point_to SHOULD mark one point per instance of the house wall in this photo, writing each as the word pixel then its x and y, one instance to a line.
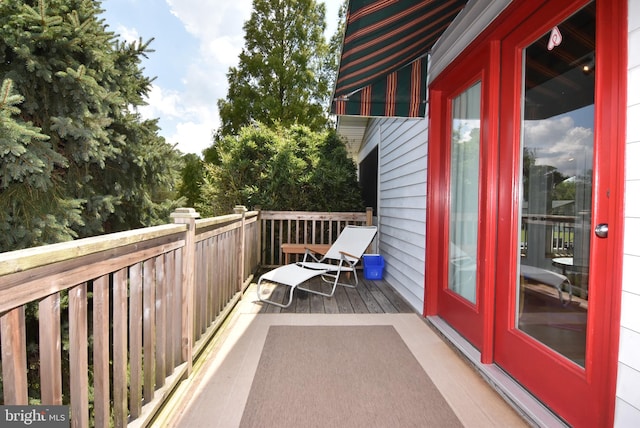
pixel 371 139
pixel 628 388
pixel 402 201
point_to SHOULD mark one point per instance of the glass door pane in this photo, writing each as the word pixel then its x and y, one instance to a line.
pixel 556 176
pixel 463 205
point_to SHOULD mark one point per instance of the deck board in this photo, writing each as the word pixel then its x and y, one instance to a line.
pixel 383 302
pixel 316 304
pixel 330 305
pixel 358 305
pixel 396 300
pixel 372 304
pixel 369 297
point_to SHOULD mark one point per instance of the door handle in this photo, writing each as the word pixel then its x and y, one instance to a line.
pixel 602 230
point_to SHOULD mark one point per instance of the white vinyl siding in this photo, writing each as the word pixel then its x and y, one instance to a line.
pixel 628 388
pixel 402 202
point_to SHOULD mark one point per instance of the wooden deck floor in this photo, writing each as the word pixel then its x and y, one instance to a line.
pixel 369 297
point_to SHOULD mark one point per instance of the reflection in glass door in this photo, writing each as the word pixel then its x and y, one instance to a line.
pixel 555 197
pixel 463 206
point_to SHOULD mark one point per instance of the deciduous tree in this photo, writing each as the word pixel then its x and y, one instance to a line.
pixel 282 73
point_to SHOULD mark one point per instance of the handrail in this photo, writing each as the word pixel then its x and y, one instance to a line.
pixel 552 235
pixel 136 317
pixel 301 227
pixel 16 261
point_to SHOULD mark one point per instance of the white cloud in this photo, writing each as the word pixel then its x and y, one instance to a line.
pixel 128 34
pixel 185 120
pixel 192 137
pixel 162 103
pixel 224 50
pixel 558 142
pixel 208 20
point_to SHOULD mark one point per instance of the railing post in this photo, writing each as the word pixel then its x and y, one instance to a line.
pixel 261 254
pixel 241 209
pixel 369 216
pixel 187 216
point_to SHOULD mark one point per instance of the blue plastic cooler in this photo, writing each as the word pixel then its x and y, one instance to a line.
pixel 373 266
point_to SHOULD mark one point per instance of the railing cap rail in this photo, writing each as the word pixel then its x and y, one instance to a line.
pixel 310 215
pixel 215 221
pixel 29 258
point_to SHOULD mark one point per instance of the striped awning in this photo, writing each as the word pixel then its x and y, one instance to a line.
pixel 383 64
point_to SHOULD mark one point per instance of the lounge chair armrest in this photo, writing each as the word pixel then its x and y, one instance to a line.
pixel 309 252
pixel 344 253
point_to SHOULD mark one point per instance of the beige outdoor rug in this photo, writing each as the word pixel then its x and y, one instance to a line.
pixel 339 370
pixel 342 376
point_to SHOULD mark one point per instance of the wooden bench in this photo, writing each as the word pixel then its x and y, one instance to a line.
pixel 301 248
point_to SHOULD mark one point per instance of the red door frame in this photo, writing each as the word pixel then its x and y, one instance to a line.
pixel 437 191
pixel 604 317
pixel 475 321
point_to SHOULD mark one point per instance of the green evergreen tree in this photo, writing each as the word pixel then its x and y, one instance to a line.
pixel 191 179
pixel 281 169
pixel 239 169
pixel 281 77
pixel 31 210
pixel 335 178
pixel 111 171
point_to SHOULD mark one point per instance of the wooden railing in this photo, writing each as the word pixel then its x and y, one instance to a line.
pixel 558 233
pixel 132 309
pixel 110 325
pixel 300 227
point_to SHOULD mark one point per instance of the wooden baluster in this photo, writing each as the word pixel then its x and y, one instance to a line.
pixel 50 350
pixel 101 346
pixel 14 357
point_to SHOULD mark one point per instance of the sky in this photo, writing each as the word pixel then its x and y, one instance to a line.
pixel 195 43
pixel 564 141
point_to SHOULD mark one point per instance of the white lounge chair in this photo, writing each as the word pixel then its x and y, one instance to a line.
pixel 544 276
pixel 343 256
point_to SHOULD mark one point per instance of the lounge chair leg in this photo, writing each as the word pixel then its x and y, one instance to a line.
pixel 271 301
pixel 344 284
